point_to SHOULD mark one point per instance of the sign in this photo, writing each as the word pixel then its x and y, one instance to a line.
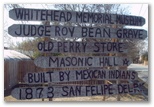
pixel 75 17
pixel 80 61
pixel 86 62
pixel 79 75
pixel 75 91
pixel 22 30
pixel 81 47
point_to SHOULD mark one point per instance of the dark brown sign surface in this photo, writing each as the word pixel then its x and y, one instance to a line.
pixel 76 91
pixel 79 75
pixel 75 17
pixel 22 30
pixel 81 47
pixel 81 61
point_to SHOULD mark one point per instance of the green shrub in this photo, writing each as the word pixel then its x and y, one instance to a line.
pixel 145 56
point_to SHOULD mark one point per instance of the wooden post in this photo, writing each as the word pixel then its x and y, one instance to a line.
pixel 117 81
pixel 104 97
pixel 122 68
pixel 45 54
pixel 118 96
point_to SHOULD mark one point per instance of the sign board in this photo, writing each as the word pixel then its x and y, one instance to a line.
pixel 86 62
pixel 79 75
pixel 75 91
pixel 81 47
pixel 75 17
pixel 22 30
pixel 80 61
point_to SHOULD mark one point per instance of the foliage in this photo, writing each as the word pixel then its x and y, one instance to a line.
pixel 36 54
pixel 29 47
pixel 145 56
